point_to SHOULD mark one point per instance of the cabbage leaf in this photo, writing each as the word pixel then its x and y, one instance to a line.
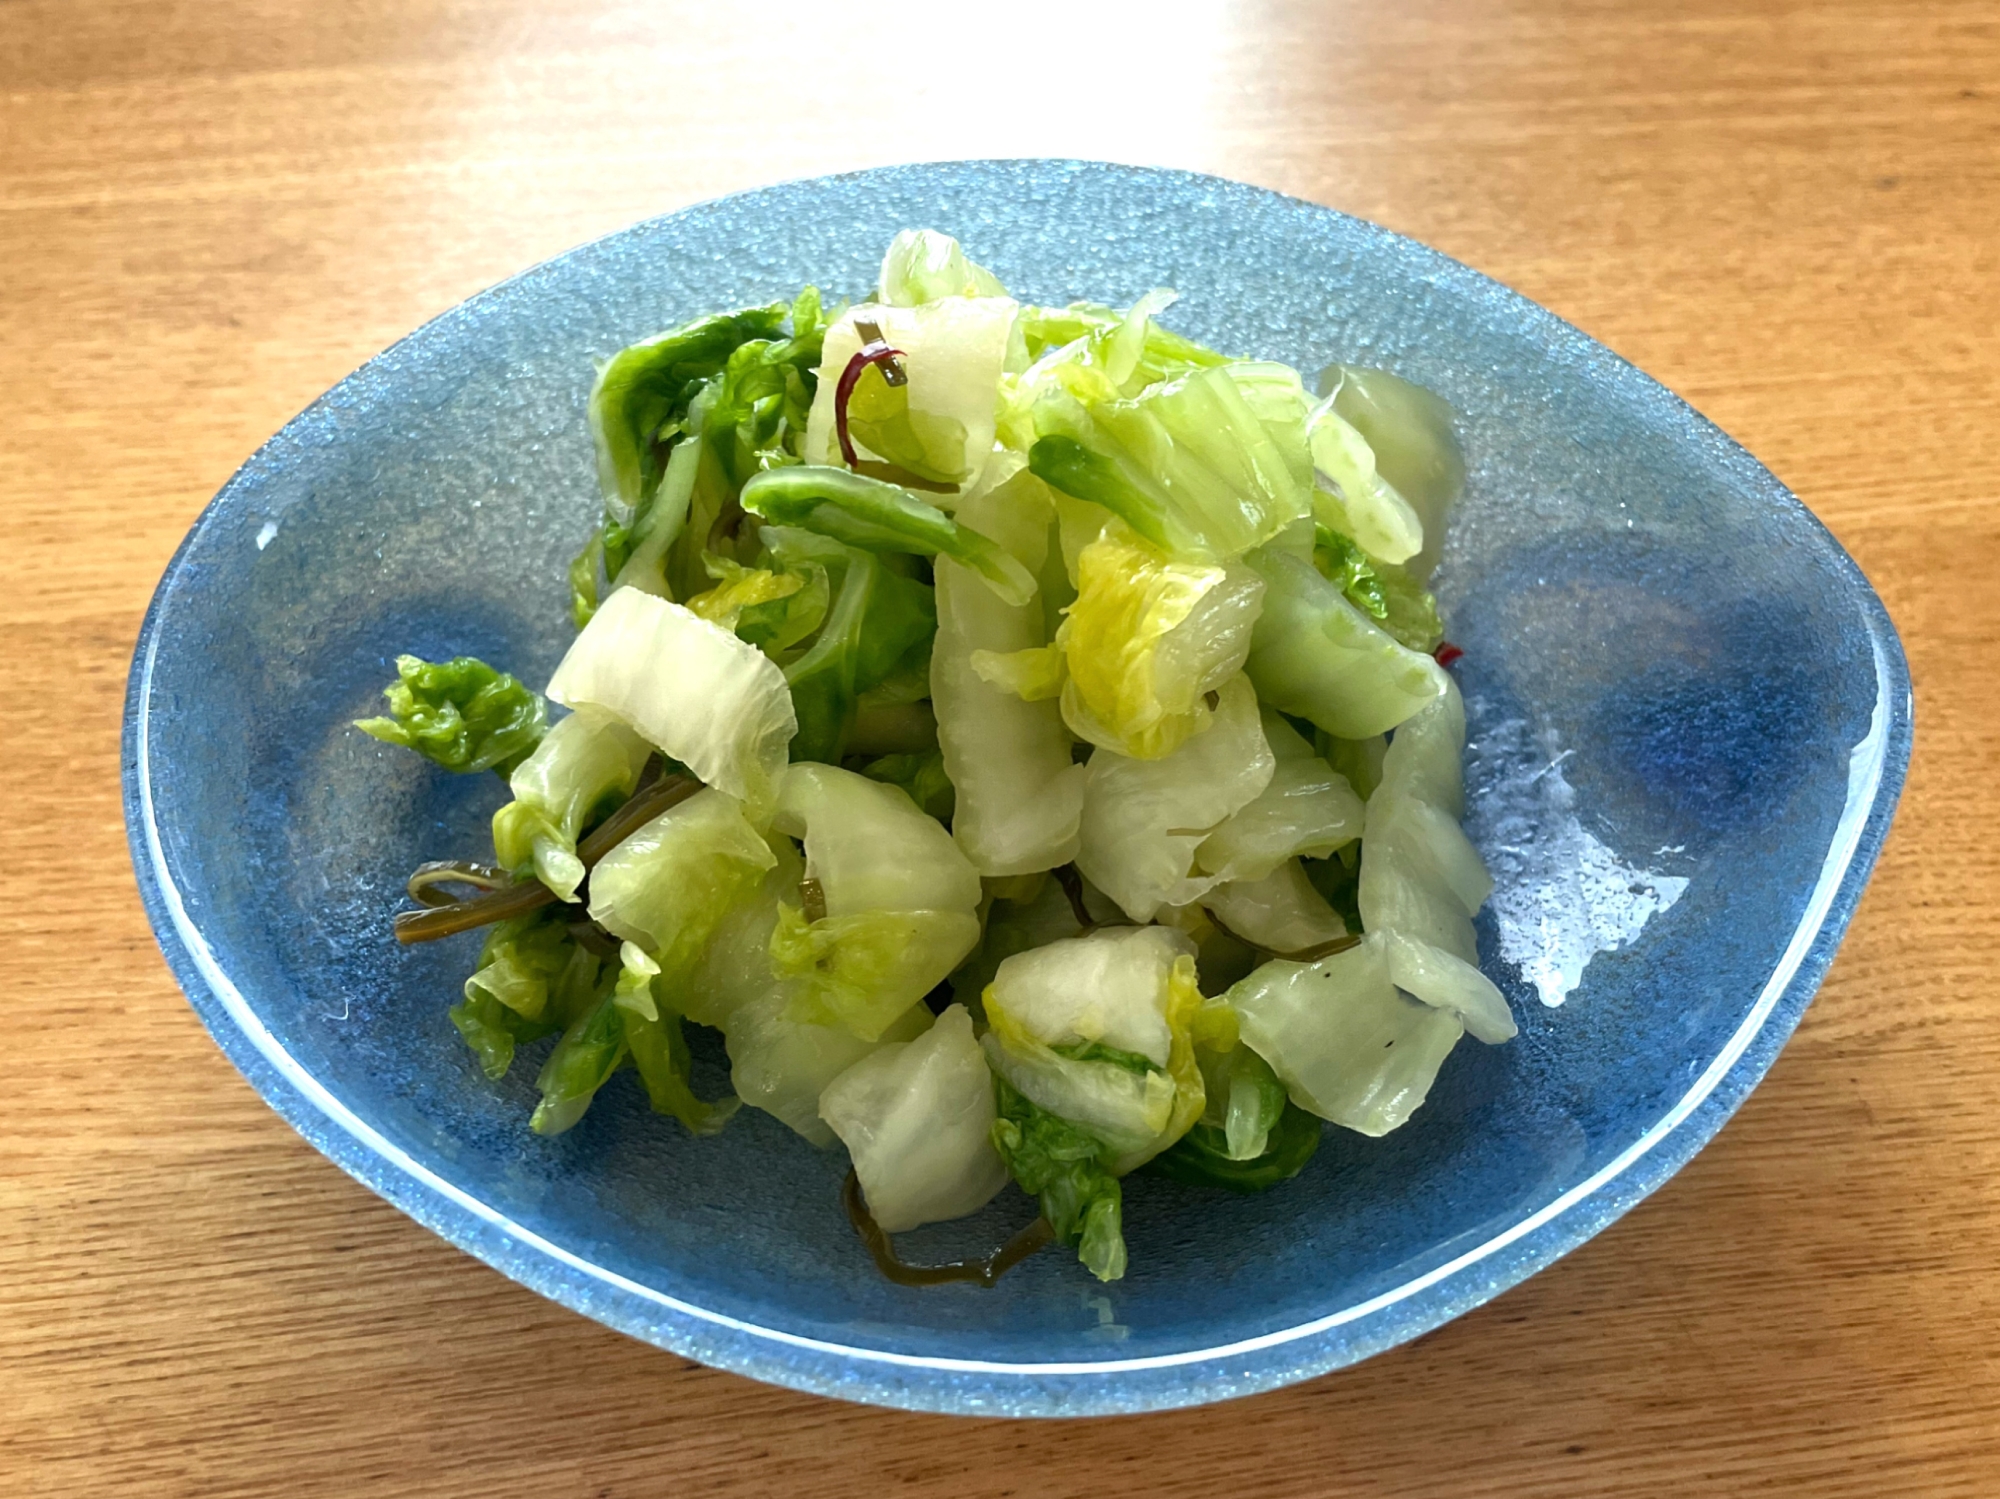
pixel 1315 656
pixel 953 351
pixel 861 971
pixel 923 265
pixel 582 1062
pixel 1348 1046
pixel 669 884
pixel 724 710
pixel 532 980
pixel 1408 429
pixel 659 1049
pixel 877 516
pixel 783 1065
pixel 1019 793
pixel 1307 809
pixel 460 714
pixel 1144 819
pixel 1099 1030
pixel 1147 639
pixel 583 769
pixel 678 422
pixel 878 621
pixel 1360 503
pixel 1187 463
pixel 1061 1166
pixel 917 1118
pixel 1281 913
pixel 1250 1136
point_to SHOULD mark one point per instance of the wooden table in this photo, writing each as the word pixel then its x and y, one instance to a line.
pixel 208 213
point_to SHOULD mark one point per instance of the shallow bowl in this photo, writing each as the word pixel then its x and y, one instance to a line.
pixel 1690 720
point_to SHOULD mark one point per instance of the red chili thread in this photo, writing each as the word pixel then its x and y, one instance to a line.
pixel 875 351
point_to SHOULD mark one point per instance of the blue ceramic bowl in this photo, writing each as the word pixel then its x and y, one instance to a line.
pixel 1690 721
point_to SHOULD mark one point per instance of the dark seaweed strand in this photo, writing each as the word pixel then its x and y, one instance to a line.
pixel 531 894
pixel 642 808
pixel 463 916
pixel 1072 886
pixel 594 939
pixel 427 881
pixel 985 1272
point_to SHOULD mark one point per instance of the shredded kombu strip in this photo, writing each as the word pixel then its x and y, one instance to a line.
pixel 1071 881
pixel 531 894
pixel 984 1272
pixel 427 882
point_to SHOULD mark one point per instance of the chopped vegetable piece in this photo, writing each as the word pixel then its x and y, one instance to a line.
pixel 1359 501
pixel 659 1049
pixel 1144 819
pixel 743 588
pixel 1187 463
pixel 585 766
pixel 862 971
pixel 1281 913
pixel 1019 792
pixel 898 901
pixel 869 847
pixel 1059 1164
pixel 461 714
pixel 678 421
pixel 1307 809
pixel 879 517
pixel 1315 655
pixel 1108 990
pixel 923 265
pixel 1409 431
pixel 878 620
pixel 917 1117
pixel 782 1065
pixel 1250 1136
pixel 1067 1021
pixel 493 1032
pixel 1245 1100
pixel 1419 874
pixel 1421 879
pixel 650 384
pixel 670 883
pixel 1147 640
pixel 1348 1046
pixel 953 349
pixel 583 1060
pixel 1450 983
pixel 532 966
pixel 723 710
pixel 1424 760
pixel 921 777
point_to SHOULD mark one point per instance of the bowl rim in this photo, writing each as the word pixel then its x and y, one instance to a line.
pixel 1878 765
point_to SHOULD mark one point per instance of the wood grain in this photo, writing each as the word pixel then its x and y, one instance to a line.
pixel 208 213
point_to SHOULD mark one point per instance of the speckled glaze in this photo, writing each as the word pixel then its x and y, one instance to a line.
pixel 1669 662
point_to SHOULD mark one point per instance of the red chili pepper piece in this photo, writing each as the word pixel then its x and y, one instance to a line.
pixel 1447 653
pixel 874 351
